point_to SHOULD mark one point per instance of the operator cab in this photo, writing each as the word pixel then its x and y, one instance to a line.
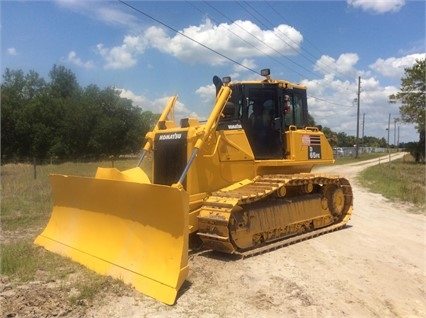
pixel 266 110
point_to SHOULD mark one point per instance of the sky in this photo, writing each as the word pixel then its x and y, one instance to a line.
pixel 153 50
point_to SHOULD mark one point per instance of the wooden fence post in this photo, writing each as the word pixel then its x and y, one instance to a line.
pixel 35 168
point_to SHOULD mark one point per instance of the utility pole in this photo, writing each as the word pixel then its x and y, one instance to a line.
pixel 398 137
pixel 357 118
pixel 394 132
pixel 363 126
pixel 388 135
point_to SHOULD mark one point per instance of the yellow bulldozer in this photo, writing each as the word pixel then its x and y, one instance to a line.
pixel 240 181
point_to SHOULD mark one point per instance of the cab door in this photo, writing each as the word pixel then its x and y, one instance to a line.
pixel 263 121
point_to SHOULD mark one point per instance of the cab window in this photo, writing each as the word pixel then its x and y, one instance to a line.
pixel 294 110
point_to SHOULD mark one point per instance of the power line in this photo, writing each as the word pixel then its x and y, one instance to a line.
pixel 260 22
pixel 259 40
pixel 289 23
pixel 247 42
pixel 283 40
pixel 215 51
pixel 265 44
pixel 229 30
pixel 186 36
pixel 307 40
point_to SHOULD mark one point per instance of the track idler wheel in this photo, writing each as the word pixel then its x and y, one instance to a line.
pixel 336 201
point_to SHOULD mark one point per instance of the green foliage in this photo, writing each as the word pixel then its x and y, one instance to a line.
pixel 60 119
pixel 24 262
pixel 417 150
pixel 91 285
pixel 361 157
pixel 311 120
pixel 341 139
pixel 63 82
pixel 19 96
pixel 27 202
pixel 401 180
pixel 19 259
pixel 413 98
pixel 412 95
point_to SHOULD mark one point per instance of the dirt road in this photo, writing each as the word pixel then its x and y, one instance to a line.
pixel 373 268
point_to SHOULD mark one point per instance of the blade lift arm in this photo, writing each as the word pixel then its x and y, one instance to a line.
pixel 221 100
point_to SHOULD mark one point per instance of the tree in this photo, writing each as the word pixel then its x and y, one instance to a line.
pixel 412 97
pixel 22 134
pixel 331 136
pixel 63 82
pixel 11 105
pixel 59 119
pixel 311 120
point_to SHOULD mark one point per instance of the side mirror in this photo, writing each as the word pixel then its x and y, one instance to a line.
pixel 217 83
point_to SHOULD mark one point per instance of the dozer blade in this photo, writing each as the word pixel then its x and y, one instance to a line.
pixel 132 175
pixel 131 231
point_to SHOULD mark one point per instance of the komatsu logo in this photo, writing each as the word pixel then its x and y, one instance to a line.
pixel 235 126
pixel 170 136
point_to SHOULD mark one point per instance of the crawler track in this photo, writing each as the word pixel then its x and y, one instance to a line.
pixel 272 211
pixel 292 240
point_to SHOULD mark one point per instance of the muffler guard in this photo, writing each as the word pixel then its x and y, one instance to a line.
pixel 131 231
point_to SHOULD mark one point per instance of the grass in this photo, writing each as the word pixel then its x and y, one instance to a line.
pixel 19 259
pixel 361 157
pixel 23 262
pixel 26 201
pixel 400 180
pixel 91 285
pixel 26 262
pixel 26 206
